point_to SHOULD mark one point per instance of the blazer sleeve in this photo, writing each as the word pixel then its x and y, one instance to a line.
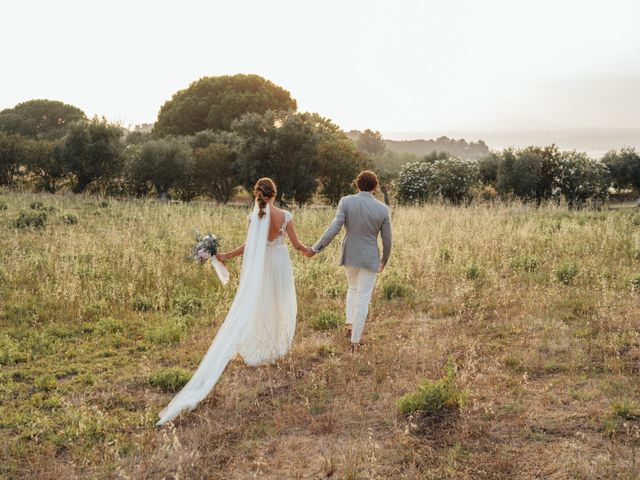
pixel 333 230
pixel 387 238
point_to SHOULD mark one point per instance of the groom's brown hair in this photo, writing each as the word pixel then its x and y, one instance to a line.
pixel 367 181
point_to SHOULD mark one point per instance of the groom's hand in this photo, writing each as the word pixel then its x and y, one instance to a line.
pixel 308 252
pixel 381 267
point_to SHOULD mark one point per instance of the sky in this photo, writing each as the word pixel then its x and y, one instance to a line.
pixel 399 66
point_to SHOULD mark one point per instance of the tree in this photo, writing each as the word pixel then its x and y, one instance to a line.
pixel 371 143
pixel 44 163
pixel 11 152
pixel 91 151
pixel 161 165
pixel 340 163
pixel 215 102
pixel 529 173
pixel 40 118
pixel 213 171
pixel 582 178
pixel 488 168
pixel 624 166
pixel 283 146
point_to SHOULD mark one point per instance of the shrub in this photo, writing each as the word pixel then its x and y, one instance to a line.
pixel 473 272
pixel 186 304
pixel 170 331
pixel 36 205
pixel 45 382
pixel 445 255
pixel 625 409
pixel 634 283
pixel 10 351
pixel 524 263
pixel 3 205
pixel 170 379
pixel 433 396
pixel 110 325
pixel 394 288
pixel 69 218
pixel 566 272
pixel 142 304
pixel 326 320
pixel 30 220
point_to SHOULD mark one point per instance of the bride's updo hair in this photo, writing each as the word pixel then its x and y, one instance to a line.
pixel 264 191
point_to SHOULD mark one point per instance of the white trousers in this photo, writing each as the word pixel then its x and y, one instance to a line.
pixel 361 282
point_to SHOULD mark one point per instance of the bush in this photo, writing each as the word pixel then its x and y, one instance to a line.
pixel 415 182
pixel 524 263
pixel 170 379
pixel 30 220
pixel 433 396
pixel 326 320
pixel 170 331
pixel 142 304
pixel 10 351
pixel 634 283
pixel 70 219
pixel 3 205
pixel 186 304
pixel 45 382
pixel 566 273
pixel 473 272
pixel 451 179
pixel 394 288
pixel 625 409
pixel 445 255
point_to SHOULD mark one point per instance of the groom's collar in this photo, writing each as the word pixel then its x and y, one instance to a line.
pixel 366 193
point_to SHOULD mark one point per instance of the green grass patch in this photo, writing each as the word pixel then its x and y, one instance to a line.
pixel 433 396
pixel 170 379
pixel 326 320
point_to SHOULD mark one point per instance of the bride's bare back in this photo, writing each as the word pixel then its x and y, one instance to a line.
pixel 276 219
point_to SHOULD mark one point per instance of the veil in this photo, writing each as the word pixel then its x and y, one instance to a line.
pixel 242 312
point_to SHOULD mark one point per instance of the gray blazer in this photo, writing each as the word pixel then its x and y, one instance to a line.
pixel 363 217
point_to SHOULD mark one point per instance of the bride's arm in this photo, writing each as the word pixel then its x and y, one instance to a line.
pixel 297 244
pixel 231 253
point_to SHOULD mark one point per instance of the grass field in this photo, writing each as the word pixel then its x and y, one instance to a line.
pixel 539 309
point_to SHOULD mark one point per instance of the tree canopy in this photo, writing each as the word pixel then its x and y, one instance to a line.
pixel 215 102
pixel 40 118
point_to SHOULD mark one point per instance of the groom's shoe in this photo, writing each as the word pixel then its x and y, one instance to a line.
pixel 356 346
pixel 347 331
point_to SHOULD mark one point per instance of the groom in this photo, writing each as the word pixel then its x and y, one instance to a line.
pixel 364 218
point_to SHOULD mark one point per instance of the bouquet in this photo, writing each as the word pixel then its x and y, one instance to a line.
pixel 206 248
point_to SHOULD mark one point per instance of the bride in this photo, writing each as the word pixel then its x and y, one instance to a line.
pixel 262 318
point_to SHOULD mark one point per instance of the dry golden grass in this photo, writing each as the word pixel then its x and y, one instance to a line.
pixel 537 307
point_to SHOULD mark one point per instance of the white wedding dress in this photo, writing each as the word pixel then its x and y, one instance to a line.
pixel 262 318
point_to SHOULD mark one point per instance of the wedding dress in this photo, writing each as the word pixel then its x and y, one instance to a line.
pixel 262 318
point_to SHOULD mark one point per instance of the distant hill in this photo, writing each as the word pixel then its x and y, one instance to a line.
pixel 420 148
pixel 594 141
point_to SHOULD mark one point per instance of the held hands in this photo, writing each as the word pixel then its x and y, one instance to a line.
pixel 381 267
pixel 308 252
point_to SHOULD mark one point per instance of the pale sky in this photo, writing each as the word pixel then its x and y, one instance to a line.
pixel 393 66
